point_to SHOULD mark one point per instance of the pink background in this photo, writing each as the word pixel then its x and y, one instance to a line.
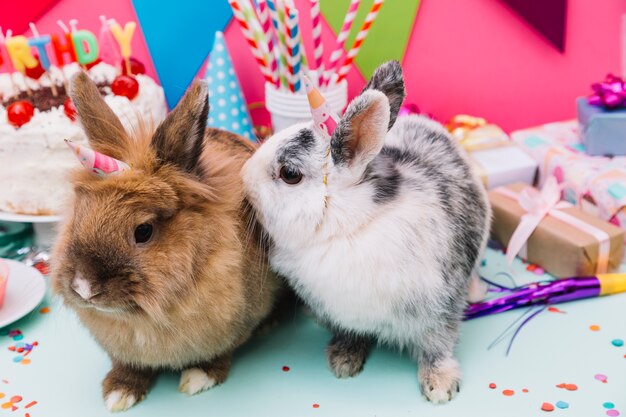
pixel 479 57
pixel 464 56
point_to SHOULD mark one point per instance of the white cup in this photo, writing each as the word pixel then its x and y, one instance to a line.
pixel 287 108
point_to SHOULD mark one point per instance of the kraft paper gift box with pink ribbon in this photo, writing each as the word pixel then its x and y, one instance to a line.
pixel 596 184
pixel 565 241
pixel 496 159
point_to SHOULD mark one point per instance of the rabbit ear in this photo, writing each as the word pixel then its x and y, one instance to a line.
pixel 361 132
pixel 388 79
pixel 179 139
pixel 103 128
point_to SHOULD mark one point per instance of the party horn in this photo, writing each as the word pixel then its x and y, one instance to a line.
pixel 550 292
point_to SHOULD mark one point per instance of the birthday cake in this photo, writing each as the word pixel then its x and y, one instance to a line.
pixel 36 116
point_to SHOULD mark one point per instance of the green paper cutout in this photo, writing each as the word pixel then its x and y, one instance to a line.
pixel 388 37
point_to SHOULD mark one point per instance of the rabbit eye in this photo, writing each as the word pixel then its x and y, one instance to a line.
pixel 143 233
pixel 290 175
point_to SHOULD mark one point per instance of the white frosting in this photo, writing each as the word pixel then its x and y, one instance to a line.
pixel 34 160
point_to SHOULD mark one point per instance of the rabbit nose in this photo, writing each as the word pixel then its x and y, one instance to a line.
pixel 82 287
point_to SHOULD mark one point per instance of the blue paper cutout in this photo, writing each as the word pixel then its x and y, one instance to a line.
pixel 179 36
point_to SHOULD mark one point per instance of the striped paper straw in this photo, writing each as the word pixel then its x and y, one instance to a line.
pixel 358 41
pixel 293 45
pixel 255 48
pixel 273 7
pixel 341 39
pixel 318 46
pixel 266 27
pixel 258 34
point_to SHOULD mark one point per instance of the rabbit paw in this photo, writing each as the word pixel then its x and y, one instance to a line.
pixel 195 380
pixel 347 354
pixel 119 400
pixel 440 383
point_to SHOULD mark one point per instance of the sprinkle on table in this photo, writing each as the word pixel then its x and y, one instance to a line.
pixel 44 310
pixel 492 385
pixel 617 342
pixel 286 368
pixel 556 310
pixel 525 390
pixel 608 405
pixel 316 406
pixel 30 404
pixel 547 407
pixel 612 413
pixel 562 405
pixel 508 392
pixel 594 328
pixel 602 378
pixel 571 387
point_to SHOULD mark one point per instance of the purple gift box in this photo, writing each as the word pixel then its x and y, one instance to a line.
pixel 603 131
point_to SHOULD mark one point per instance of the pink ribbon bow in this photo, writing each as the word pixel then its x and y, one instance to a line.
pixel 539 204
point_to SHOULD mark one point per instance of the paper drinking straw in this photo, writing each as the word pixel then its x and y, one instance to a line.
pixel 293 45
pixel 273 7
pixel 252 43
pixel 341 39
pixel 258 35
pixel 266 27
pixel 358 41
pixel 318 46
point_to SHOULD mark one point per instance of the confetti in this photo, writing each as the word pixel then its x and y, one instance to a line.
pixel 612 413
pixel 492 386
pixel 562 405
pixel 286 369
pixel 316 406
pixel 30 404
pixel 594 327
pixel 608 405
pixel 617 342
pixel 45 310
pixel 508 392
pixel 547 407
pixel 601 377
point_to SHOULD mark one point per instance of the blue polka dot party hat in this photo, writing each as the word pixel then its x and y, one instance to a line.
pixel 228 107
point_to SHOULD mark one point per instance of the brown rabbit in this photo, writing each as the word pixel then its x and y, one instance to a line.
pixel 163 263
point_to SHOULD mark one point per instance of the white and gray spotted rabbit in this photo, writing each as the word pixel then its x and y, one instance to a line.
pixel 381 235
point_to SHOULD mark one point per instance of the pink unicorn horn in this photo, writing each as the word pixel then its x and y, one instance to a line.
pixel 97 162
pixel 324 118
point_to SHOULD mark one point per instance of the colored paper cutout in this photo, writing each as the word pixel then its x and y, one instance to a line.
pixel 228 107
pixel 388 37
pixel 548 17
pixel 179 39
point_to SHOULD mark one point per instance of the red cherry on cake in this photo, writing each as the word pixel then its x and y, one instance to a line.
pixel 94 63
pixel 36 72
pixel 69 109
pixel 20 113
pixel 136 66
pixel 124 85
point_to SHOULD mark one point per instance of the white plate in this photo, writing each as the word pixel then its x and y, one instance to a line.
pixel 28 218
pixel 26 288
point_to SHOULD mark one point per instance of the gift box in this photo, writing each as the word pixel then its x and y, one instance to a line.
pixel 496 159
pixel 603 131
pixel 596 184
pixel 4 277
pixel 564 240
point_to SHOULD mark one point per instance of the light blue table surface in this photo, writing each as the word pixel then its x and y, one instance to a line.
pixel 67 368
